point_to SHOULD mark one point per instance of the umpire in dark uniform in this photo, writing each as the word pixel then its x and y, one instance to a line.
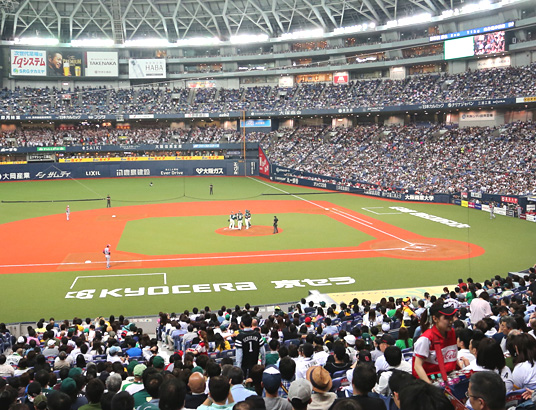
pixel 275 224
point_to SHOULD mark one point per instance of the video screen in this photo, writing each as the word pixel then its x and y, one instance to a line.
pixel 490 43
pixel 458 48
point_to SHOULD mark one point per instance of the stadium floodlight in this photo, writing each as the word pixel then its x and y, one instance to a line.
pixel 93 42
pixel 37 41
pixel 249 38
pixel 199 41
pixel 147 42
pixel 415 19
pixel 303 34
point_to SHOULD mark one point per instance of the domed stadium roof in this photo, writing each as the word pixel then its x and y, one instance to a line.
pixel 123 20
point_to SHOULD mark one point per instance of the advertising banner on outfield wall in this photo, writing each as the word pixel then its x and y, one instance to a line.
pixel 44 171
pixel 146 68
pixel 102 64
pixel 29 62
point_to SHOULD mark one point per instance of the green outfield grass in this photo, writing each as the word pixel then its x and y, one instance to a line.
pixel 28 297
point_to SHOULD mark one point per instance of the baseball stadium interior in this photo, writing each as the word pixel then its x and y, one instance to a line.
pixel 430 101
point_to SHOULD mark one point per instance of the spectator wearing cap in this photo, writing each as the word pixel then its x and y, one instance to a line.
pixel 136 385
pixel 350 341
pixel 113 355
pixel 321 381
pixel 305 360
pixel 70 388
pixel 5 369
pixel 441 338
pixel 383 342
pixel 197 395
pixel 14 358
pixel 158 363
pixel 299 394
pixel 363 380
pixel 271 382
pixel 51 350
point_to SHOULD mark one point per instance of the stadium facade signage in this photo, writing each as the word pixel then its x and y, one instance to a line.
pixel 206 146
pixel 209 171
pixel 342 188
pixel 473 31
pixel 509 199
pixel 41 149
pixel 28 62
pixel 320 184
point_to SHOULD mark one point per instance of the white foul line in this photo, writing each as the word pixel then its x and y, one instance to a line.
pixel 371 227
pixel 128 274
pixel 353 217
pixel 295 196
pixel 369 209
pixel 340 213
pixel 195 258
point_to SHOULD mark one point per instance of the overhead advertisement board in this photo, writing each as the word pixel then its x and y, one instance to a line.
pixel 340 77
pixel 146 68
pixel 28 63
pixel 102 64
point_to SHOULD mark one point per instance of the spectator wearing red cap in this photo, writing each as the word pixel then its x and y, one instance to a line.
pixel 436 349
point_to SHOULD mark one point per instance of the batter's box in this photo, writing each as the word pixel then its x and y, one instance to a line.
pixel 377 210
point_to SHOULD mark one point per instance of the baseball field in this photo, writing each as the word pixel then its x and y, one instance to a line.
pixel 171 247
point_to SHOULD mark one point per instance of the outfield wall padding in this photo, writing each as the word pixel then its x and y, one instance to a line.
pixel 48 171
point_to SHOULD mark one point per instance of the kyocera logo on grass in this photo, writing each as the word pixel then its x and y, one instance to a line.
pixel 199 288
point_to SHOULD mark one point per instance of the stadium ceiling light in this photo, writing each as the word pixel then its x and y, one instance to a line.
pixel 147 42
pixel 199 41
pixel 249 38
pixel 37 41
pixel 302 34
pixel 415 19
pixel 93 42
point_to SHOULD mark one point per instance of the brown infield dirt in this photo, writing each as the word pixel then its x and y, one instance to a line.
pixel 51 243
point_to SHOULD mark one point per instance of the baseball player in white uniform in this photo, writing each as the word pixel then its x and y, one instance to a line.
pixel 67 212
pixel 240 220
pixel 231 220
pixel 107 255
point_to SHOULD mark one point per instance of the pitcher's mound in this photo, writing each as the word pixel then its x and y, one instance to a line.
pixel 255 230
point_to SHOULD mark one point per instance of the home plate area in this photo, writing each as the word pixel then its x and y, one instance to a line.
pixel 256 230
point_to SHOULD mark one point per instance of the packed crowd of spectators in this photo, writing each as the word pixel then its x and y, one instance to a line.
pixel 424 158
pixel 315 356
pixel 492 83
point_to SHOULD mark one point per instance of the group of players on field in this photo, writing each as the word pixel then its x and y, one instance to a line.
pixel 237 219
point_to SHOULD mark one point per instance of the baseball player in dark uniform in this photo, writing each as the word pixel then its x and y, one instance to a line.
pixel 247 217
pixel 108 202
pixel 275 224
pixel 211 189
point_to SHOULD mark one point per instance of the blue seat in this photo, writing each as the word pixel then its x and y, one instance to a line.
pixel 292 341
pixel 339 374
pixel 514 398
